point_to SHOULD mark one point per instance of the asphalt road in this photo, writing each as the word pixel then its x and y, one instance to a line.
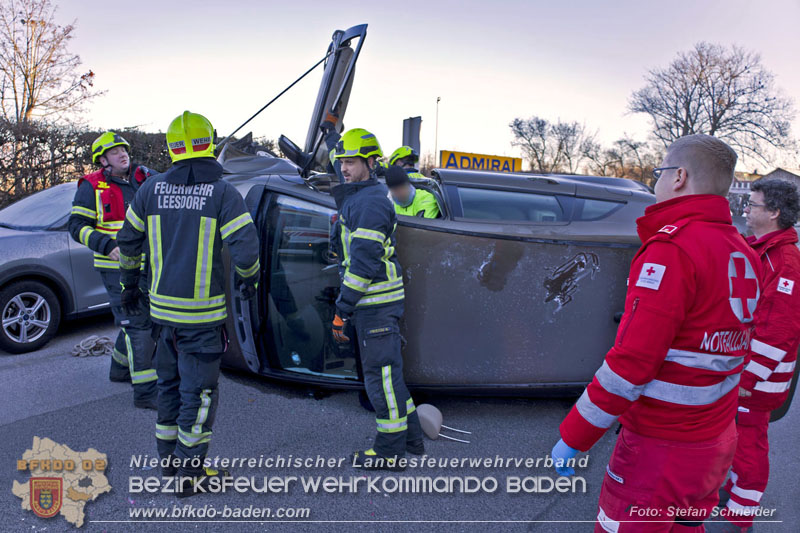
pixel 51 394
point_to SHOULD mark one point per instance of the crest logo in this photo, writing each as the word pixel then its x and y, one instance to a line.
pixel 46 495
pixel 743 286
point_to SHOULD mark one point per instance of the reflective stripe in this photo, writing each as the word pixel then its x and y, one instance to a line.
pixel 84 234
pixel 739 509
pixel 392 425
pixel 758 369
pixel 120 357
pixel 785 367
pixel 747 494
pixel 234 225
pixel 137 376
pixel 369 234
pixel 410 407
pixel 166 432
pixel 202 412
pixel 384 286
pixel 593 414
pixel 84 212
pixel 154 237
pixel 357 283
pixel 187 318
pixel 110 264
pixel 133 218
pixel 205 251
pixel 388 391
pixel 706 361
pixel 191 439
pixel 249 272
pixel 609 525
pixel 382 298
pixel 345 245
pixel 773 387
pixel 766 350
pixel 616 384
pixel 689 395
pixel 187 303
pixel 130 263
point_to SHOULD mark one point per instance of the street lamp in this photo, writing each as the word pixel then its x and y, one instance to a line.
pixel 436 138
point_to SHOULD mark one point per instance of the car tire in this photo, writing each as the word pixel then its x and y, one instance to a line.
pixel 27 330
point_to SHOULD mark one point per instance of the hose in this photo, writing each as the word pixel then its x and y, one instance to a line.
pixel 93 346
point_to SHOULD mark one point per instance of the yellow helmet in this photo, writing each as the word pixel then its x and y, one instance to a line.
pixel 107 141
pixel 189 136
pixel 358 142
pixel 402 153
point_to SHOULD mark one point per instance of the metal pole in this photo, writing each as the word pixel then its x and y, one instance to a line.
pixel 436 163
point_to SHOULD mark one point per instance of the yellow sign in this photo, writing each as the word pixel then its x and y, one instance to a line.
pixel 467 161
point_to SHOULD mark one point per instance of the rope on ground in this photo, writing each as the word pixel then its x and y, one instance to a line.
pixel 93 346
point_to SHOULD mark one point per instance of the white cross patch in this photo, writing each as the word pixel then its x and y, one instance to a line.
pixel 650 276
pixel 785 285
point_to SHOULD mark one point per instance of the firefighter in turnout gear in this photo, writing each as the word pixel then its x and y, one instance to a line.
pixel 371 295
pixel 407 158
pixel 181 219
pixel 672 376
pixel 98 212
pixel 409 200
pixel 771 213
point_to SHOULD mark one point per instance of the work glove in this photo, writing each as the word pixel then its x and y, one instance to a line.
pixel 561 452
pixel 130 298
pixel 247 291
pixel 339 324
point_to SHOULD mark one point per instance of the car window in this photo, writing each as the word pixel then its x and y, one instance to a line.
pixel 590 209
pixel 42 210
pixel 303 279
pixel 491 204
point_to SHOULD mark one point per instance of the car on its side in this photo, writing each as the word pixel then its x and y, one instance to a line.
pixel 45 276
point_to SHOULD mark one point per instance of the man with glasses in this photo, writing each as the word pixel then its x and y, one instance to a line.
pixel 772 212
pixel 672 376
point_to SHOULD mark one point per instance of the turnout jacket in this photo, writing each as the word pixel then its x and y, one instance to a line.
pixel 673 372
pixel 181 218
pixel 773 350
pixel 367 223
pixel 98 211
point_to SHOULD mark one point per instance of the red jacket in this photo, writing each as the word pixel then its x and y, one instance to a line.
pixel 773 351
pixel 674 370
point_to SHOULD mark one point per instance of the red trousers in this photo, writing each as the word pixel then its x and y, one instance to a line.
pixel 661 485
pixel 750 470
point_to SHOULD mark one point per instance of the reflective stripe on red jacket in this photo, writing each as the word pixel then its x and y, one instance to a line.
pixel 674 369
pixel 773 351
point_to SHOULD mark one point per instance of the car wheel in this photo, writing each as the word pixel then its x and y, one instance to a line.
pixel 31 314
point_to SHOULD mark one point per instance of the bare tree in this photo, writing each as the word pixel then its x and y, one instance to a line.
pixel 550 147
pixel 723 92
pixel 40 76
pixel 625 158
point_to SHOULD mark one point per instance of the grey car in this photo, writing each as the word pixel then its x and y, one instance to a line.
pixel 45 276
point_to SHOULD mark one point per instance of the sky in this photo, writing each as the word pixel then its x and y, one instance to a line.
pixel 490 62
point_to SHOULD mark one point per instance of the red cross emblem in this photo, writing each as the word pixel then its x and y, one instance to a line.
pixel 785 283
pixel 650 271
pixel 743 287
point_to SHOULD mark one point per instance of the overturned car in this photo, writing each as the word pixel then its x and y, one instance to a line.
pixel 517 288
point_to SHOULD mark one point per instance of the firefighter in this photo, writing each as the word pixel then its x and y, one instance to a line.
pixel 407 199
pixel 371 295
pixel 771 213
pixel 407 158
pixel 98 212
pixel 672 376
pixel 182 218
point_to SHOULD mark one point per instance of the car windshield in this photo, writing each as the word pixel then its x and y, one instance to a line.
pixel 42 210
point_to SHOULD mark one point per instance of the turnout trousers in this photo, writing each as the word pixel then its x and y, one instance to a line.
pixel 750 470
pixel 132 357
pixel 379 346
pixel 188 362
pixel 662 485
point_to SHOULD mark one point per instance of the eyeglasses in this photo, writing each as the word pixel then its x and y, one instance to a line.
pixel 748 203
pixel 657 171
